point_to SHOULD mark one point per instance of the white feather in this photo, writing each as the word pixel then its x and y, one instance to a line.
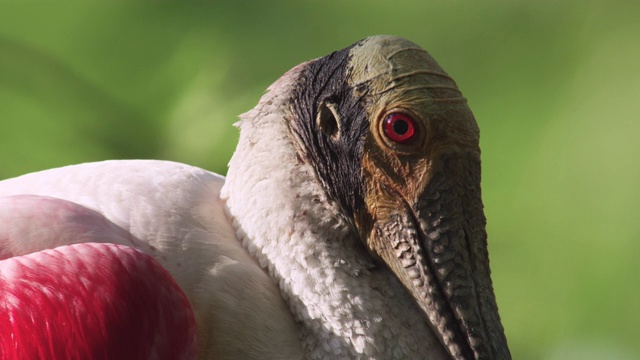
pixel 173 212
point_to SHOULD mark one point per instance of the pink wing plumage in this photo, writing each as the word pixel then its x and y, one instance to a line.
pixel 89 300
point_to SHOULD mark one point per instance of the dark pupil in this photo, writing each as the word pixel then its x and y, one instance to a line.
pixel 400 127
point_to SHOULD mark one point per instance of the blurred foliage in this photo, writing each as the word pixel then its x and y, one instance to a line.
pixel 554 86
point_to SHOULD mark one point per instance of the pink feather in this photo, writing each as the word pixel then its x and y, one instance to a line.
pixel 92 301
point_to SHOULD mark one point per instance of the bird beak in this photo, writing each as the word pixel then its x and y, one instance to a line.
pixel 433 239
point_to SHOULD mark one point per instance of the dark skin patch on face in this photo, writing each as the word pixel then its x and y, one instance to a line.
pixel 332 142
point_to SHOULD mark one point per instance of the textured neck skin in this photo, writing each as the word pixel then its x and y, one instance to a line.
pixel 346 306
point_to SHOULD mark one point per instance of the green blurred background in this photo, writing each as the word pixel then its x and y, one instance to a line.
pixel 554 87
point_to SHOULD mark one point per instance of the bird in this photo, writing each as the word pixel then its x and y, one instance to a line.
pixel 350 222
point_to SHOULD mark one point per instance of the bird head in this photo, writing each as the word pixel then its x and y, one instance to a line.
pixel 389 140
pixel 394 143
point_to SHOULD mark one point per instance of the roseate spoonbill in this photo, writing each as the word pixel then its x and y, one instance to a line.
pixel 350 223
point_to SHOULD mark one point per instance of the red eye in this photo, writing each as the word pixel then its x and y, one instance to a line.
pixel 399 127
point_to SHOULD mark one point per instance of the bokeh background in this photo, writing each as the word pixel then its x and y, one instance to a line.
pixel 554 87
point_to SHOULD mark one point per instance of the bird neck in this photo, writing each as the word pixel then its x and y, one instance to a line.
pixel 345 305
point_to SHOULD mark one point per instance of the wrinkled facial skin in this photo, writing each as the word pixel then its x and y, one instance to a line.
pixel 424 204
pixel 416 204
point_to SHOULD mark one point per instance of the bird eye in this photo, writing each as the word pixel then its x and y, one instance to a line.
pixel 399 127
